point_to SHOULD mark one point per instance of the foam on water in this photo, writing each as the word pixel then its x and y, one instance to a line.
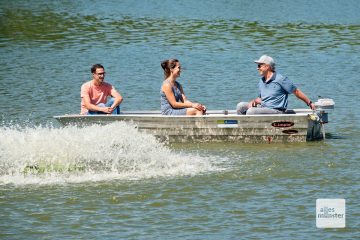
pixel 47 155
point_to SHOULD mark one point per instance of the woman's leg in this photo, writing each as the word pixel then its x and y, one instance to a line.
pixel 193 111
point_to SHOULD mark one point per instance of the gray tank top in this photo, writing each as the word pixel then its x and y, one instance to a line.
pixel 166 108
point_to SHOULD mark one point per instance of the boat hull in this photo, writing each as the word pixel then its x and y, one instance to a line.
pixel 216 126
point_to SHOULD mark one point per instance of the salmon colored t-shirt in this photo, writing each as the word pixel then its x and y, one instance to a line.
pixel 97 94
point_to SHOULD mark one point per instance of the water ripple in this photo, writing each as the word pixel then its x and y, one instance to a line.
pixel 62 30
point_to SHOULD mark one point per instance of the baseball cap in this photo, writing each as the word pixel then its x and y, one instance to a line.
pixel 266 60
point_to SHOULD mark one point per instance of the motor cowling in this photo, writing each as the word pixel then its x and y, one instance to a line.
pixel 324 104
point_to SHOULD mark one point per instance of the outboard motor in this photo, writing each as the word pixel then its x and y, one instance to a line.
pixel 320 115
pixel 322 105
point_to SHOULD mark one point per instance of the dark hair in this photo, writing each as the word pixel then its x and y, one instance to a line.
pixel 167 65
pixel 96 66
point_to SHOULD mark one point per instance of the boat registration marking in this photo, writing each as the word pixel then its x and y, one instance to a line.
pixel 227 123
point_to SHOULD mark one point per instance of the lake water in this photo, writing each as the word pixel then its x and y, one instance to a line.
pixel 121 184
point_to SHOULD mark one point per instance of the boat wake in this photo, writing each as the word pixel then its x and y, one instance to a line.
pixel 48 155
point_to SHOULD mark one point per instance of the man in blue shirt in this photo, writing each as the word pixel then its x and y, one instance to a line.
pixel 274 90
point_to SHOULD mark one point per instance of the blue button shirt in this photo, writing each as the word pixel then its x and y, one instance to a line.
pixel 274 93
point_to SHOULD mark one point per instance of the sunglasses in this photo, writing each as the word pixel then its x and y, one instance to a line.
pixel 100 74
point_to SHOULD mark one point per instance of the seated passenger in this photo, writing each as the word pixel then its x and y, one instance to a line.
pixel 274 90
pixel 95 94
pixel 172 98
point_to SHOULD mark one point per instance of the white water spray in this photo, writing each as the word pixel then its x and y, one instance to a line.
pixel 45 155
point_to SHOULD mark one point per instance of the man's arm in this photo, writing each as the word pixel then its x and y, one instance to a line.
pixel 117 98
pixel 299 94
pixel 92 107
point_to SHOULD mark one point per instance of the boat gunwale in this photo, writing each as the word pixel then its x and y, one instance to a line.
pixel 211 114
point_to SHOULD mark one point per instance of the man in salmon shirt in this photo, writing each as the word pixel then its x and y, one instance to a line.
pixel 95 93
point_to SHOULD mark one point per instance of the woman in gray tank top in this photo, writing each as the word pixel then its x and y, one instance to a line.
pixel 172 98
